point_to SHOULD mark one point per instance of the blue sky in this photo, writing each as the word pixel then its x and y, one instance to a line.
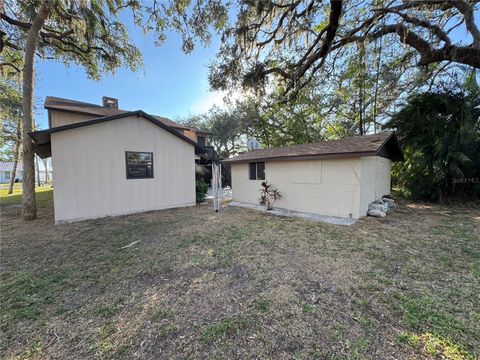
pixel 171 83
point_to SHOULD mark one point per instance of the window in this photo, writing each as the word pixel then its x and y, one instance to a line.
pixel 201 140
pixel 257 171
pixel 261 171
pixel 7 175
pixel 139 164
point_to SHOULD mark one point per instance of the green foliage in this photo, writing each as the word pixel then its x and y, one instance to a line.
pixel 90 35
pixel 201 189
pixel 94 34
pixel 265 49
pixel 272 123
pixel 413 175
pixel 440 133
pixel 228 128
pixel 10 116
pixel 352 87
pixel 193 121
pixel 308 118
pixel 11 61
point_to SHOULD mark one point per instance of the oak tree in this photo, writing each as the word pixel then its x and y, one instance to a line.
pixel 291 41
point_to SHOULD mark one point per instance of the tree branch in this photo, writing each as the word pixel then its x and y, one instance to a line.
pixel 23 25
pixel 330 31
pixel 428 55
pixel 16 68
pixel 467 10
pixel 436 30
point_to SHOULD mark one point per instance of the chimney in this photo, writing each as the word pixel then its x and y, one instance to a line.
pixel 109 102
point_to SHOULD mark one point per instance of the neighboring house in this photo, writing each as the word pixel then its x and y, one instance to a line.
pixel 6 168
pixel 336 178
pixel 44 179
pixel 116 163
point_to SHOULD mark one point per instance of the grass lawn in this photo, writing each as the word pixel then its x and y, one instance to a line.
pixel 17 191
pixel 240 284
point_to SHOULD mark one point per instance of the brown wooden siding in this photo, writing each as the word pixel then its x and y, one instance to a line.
pixel 190 134
pixel 60 118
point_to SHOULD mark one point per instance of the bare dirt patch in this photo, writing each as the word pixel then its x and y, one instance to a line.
pixel 240 284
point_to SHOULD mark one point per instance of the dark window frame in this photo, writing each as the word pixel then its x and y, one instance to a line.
pixel 250 168
pixel 127 172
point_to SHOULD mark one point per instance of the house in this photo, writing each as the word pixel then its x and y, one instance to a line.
pixel 6 168
pixel 335 178
pixel 112 162
pixel 65 111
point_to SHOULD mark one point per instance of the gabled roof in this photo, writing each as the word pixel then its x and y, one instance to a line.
pixel 79 107
pixel 382 144
pixel 42 140
pixel 8 166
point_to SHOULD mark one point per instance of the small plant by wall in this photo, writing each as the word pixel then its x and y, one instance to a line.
pixel 268 195
pixel 201 189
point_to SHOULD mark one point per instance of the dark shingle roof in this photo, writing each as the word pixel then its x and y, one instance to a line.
pixel 56 103
pixel 366 145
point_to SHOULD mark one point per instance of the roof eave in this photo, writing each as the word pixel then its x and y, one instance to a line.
pixel 395 154
pixel 302 157
pixel 50 107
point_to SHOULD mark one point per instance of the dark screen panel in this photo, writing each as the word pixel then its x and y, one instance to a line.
pixel 261 171
pixel 253 171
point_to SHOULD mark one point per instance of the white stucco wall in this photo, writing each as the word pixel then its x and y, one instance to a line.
pixel 90 173
pixel 328 187
pixel 376 176
pixel 337 187
pixel 384 179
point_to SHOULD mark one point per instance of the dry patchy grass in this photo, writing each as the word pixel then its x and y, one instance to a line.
pixel 240 284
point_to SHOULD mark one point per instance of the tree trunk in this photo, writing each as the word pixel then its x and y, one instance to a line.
pixel 13 175
pixel 29 206
pixel 360 113
pixel 47 175
pixel 377 78
pixel 361 100
pixel 39 183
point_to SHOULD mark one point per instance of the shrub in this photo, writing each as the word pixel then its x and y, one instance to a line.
pixel 201 189
pixel 268 195
pixel 440 134
pixel 414 177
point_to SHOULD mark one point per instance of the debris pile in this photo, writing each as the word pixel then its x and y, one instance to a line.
pixel 381 207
